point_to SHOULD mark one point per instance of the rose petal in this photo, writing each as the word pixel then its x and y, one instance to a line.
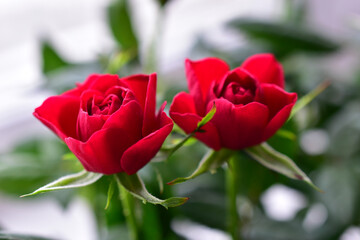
pixel 277 121
pixel 183 103
pixel 275 98
pixel 100 82
pixel 182 111
pixel 265 69
pixel 150 124
pixel 103 151
pixel 138 84
pixel 87 125
pixel 139 154
pixel 128 117
pixel 59 113
pixel 240 126
pixel 201 75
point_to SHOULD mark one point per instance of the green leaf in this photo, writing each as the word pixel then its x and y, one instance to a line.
pixel 76 180
pixel 305 100
pixel 278 162
pixel 210 162
pixel 121 26
pixel 284 38
pixel 207 117
pixel 134 185
pixel 110 194
pixel 51 60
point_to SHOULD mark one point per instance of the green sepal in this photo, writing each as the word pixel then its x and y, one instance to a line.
pixel 207 118
pixel 76 180
pixel 135 186
pixel 278 162
pixel 210 162
pixel 110 194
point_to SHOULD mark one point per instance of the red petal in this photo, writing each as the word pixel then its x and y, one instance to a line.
pixel 240 126
pixel 59 113
pixel 275 98
pixel 139 85
pixel 87 125
pixel 183 103
pixel 104 149
pixel 277 121
pixel 265 69
pixel 128 117
pixel 182 111
pixel 150 123
pixel 100 82
pixel 139 154
pixel 200 76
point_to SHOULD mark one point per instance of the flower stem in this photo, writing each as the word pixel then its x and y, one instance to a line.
pixel 232 178
pixel 129 212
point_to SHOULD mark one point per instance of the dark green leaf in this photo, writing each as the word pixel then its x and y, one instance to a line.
pixel 50 58
pixel 121 25
pixel 210 162
pixel 76 180
pixel 278 162
pixel 284 38
pixel 134 185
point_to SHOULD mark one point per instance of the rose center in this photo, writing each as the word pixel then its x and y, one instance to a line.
pixel 238 94
pixel 104 106
pixel 238 87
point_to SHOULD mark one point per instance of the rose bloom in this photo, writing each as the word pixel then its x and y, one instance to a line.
pixel 251 103
pixel 108 122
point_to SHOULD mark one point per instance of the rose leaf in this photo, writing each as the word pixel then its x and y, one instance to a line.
pixel 210 162
pixel 135 186
pixel 278 162
pixel 76 180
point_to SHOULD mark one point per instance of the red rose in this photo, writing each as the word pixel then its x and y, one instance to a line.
pixel 108 122
pixel 251 104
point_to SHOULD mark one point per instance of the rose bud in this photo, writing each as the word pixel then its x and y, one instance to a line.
pixel 251 103
pixel 109 123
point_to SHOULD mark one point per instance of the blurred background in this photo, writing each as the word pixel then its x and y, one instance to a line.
pixel 47 46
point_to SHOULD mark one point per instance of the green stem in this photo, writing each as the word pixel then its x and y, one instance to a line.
pixel 129 212
pixel 232 179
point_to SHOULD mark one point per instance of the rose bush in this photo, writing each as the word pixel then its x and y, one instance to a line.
pixel 251 104
pixel 108 122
